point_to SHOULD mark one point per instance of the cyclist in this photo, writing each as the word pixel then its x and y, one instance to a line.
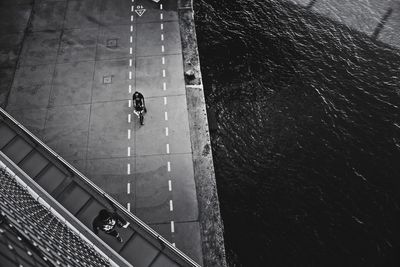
pixel 138 104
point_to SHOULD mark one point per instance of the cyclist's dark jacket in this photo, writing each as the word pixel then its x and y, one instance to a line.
pixel 138 101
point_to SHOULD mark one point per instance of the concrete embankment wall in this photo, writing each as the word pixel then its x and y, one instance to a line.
pixel 209 211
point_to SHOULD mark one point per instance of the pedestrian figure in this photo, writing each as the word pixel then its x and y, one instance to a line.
pixel 107 222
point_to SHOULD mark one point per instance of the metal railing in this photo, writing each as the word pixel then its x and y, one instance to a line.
pixel 112 201
pixel 14 173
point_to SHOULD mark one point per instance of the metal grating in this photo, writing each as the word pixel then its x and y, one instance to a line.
pixel 58 244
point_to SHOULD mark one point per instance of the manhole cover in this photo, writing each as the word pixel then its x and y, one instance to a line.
pixel 107 79
pixel 112 43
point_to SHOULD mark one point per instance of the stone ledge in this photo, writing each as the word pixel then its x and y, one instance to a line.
pixel 209 212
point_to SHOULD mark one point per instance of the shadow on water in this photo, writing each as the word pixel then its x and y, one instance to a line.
pixel 307 144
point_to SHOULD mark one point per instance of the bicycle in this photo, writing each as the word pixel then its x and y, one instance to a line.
pixel 139 112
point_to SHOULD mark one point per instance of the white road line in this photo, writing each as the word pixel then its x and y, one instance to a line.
pixel 162 37
pixel 130 62
pixel 164 86
pixel 130 88
pixel 130 50
pixel 169 166
pixel 161 7
pixel 131 39
pixel 128 207
pixel 162 26
pixel 171 205
pixel 166 131
pixel 162 48
pixel 129 103
pixel 167 148
pixel 163 73
pixel 129 168
pixel 172 227
pixel 129 151
pixel 131 17
pixel 131 28
pixel 161 16
pixel 165 100
pixel 132 9
pixel 166 115
pixel 129 134
pixel 163 60
pixel 129 118
pixel 169 185
pixel 128 188
pixel 130 75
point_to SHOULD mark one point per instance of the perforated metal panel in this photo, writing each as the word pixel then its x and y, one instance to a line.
pixel 55 241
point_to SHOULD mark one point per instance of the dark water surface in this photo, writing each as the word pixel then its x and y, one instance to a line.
pixel 307 149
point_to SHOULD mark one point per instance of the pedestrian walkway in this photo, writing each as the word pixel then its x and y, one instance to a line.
pixel 73 89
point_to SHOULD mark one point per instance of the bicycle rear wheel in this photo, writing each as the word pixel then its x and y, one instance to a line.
pixel 141 118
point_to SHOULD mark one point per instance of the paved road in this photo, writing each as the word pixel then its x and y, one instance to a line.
pixel 77 72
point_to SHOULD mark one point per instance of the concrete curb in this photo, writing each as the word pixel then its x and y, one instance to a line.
pixel 209 212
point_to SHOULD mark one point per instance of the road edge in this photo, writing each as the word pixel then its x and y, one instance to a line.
pixel 211 224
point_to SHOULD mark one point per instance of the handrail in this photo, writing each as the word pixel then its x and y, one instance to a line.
pixel 104 194
pixel 42 197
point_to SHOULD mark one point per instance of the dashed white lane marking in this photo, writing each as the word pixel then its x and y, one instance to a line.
pixel 129 118
pixel 129 103
pixel 161 16
pixel 128 168
pixel 131 17
pixel 130 75
pixel 169 166
pixel 129 151
pixel 172 227
pixel 162 26
pixel 132 9
pixel 162 37
pixel 165 100
pixel 166 115
pixel 128 207
pixel 166 131
pixel 163 73
pixel 129 134
pixel 130 88
pixel 130 50
pixel 163 60
pixel 131 39
pixel 161 7
pixel 162 48
pixel 169 185
pixel 171 205
pixel 131 28
pixel 164 86
pixel 130 62
pixel 128 188
pixel 167 148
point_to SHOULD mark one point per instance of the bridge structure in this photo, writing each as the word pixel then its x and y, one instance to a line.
pixel 68 136
pixel 375 18
pixel 51 205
